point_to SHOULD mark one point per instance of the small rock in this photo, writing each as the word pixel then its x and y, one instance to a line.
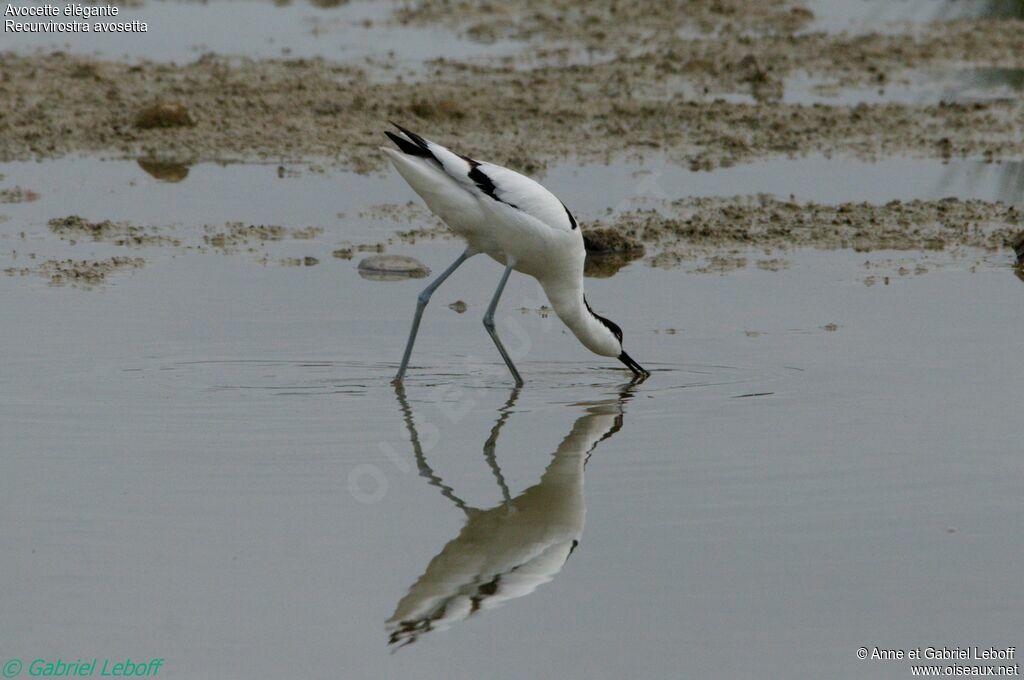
pixel 458 306
pixel 164 114
pixel 392 268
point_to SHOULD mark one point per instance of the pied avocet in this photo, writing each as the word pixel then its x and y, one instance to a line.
pixel 515 221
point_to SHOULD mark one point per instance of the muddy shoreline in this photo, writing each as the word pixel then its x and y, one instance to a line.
pixel 700 235
pixel 522 115
pixel 701 84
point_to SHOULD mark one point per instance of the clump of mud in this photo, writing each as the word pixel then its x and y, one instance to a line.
pixel 80 273
pixel 307 261
pixel 608 241
pixel 348 251
pixel 164 114
pixel 165 171
pixel 609 250
pixel 770 223
pixel 409 211
pixel 18 195
pixel 228 239
pixel 236 234
pixel 438 231
pixel 73 227
pixel 305 233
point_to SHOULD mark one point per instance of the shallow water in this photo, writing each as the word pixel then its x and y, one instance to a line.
pixel 204 461
pixel 337 201
pixel 858 16
pixel 811 178
pixel 913 88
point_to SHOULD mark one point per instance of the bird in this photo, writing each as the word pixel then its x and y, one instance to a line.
pixel 516 222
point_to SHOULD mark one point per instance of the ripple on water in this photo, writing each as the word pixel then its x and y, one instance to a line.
pixel 561 382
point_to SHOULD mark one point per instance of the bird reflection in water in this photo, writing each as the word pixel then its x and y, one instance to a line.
pixel 509 550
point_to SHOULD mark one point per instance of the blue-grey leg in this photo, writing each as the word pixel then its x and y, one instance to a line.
pixel 489 324
pixel 421 304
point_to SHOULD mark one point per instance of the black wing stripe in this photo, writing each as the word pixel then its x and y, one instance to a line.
pixel 419 147
pixel 483 182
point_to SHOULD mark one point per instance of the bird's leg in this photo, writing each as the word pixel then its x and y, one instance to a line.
pixel 421 304
pixel 489 323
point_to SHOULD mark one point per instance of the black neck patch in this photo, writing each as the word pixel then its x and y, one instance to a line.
pixel 610 325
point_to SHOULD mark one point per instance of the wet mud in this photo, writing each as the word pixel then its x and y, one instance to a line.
pixel 527 110
pixel 769 223
pixel 18 195
pixel 78 273
pixel 74 228
pixel 699 84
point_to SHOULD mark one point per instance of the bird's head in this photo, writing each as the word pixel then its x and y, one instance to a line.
pixel 610 344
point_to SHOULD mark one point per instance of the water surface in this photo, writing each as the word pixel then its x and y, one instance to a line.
pixel 203 459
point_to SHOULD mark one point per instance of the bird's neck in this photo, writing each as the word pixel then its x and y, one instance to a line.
pixel 571 308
